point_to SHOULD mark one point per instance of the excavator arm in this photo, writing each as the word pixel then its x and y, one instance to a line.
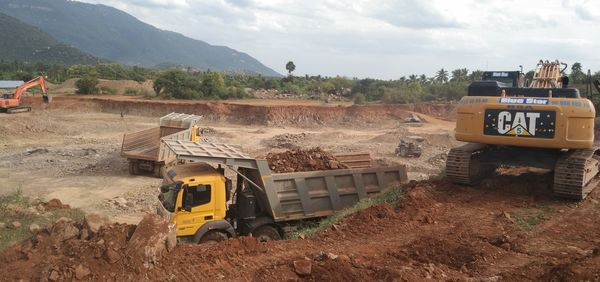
pixel 38 81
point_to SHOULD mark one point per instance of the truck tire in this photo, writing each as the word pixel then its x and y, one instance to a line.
pixel 266 233
pixel 133 168
pixel 213 237
pixel 158 168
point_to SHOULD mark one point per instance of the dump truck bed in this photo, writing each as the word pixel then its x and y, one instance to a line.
pixel 145 144
pixel 301 195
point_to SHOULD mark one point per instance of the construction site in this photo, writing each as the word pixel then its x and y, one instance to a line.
pixel 288 190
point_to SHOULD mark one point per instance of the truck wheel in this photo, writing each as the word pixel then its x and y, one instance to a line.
pixel 213 237
pixel 266 233
pixel 133 168
pixel 158 170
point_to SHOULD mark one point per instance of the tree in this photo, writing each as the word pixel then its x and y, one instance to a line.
pixel 88 84
pixel 475 75
pixel 441 76
pixel 177 84
pixel 460 74
pixel 577 75
pixel 290 67
pixel 213 84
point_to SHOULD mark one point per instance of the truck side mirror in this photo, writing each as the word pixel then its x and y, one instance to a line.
pixel 189 199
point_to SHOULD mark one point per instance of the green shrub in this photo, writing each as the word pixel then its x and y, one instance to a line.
pixel 359 99
pixel 87 85
pixel 108 91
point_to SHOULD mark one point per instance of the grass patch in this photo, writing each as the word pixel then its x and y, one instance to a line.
pixel 528 219
pixel 15 206
pixel 389 196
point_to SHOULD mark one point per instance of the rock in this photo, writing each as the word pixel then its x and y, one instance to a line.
pixel 149 241
pixel 63 231
pixel 112 256
pixel 92 222
pixel 33 210
pixel 507 216
pixel 344 258
pixel 331 256
pixel 171 241
pixel 84 234
pixel 120 201
pixel 302 267
pixel 40 208
pixel 34 228
pixel 54 275
pixel 15 225
pixel 63 219
pixel 490 279
pixel 594 201
pixel 81 272
pixel 2 225
pixel 55 204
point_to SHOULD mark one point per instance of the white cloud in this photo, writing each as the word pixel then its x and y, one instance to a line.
pixel 385 38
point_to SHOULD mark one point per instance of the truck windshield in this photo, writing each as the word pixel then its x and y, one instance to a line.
pixel 168 195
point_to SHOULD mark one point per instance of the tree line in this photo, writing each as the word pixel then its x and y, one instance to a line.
pixel 186 83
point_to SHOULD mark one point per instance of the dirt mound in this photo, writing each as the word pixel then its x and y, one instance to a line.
pixel 287 141
pixel 243 113
pixel 68 250
pixel 303 160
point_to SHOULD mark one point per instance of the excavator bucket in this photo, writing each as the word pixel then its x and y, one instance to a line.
pixel 47 99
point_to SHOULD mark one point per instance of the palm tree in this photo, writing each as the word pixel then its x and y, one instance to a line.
pixel 441 76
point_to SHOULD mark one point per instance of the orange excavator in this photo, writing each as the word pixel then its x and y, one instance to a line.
pixel 11 103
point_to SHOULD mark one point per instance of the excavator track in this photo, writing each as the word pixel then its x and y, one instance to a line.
pixel 17 110
pixel 575 173
pixel 462 164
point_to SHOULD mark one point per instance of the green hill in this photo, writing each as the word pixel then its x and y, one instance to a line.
pixel 25 43
pixel 110 33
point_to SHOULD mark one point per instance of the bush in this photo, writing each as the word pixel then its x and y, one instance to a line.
pixel 359 99
pixel 137 92
pixel 108 91
pixel 87 85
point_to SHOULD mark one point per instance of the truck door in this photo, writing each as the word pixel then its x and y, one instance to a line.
pixel 198 207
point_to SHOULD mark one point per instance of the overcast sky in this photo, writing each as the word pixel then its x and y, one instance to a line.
pixel 386 39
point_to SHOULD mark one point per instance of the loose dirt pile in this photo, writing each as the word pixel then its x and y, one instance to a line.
pixel 303 160
pixel 437 230
pixel 93 249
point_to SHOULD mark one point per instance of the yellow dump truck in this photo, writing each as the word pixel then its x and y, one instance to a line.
pixel 143 149
pixel 206 207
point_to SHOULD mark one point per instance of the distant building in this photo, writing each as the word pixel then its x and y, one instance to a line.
pixel 9 84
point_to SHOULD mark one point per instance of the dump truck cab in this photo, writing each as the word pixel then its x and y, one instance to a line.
pixel 194 197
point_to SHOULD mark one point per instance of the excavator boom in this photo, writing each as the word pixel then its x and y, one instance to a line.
pixel 12 103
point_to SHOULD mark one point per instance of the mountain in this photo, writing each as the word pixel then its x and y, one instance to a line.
pixel 110 33
pixel 25 43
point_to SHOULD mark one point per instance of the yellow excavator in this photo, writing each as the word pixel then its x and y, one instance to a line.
pixel 545 124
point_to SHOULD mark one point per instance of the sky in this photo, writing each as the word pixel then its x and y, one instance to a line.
pixel 386 39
